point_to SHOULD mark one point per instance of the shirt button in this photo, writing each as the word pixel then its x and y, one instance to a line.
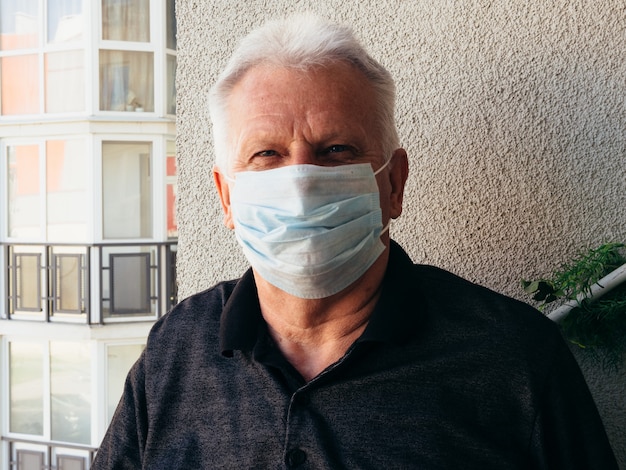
pixel 295 457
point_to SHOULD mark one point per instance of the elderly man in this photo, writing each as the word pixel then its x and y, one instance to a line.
pixel 334 350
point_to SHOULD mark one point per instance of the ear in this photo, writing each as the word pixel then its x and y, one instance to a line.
pixel 398 174
pixel 223 191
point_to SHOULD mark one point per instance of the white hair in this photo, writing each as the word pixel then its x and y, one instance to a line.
pixel 300 42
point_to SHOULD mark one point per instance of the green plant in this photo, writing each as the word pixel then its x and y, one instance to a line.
pixel 596 325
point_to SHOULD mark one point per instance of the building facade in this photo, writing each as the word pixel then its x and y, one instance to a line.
pixel 87 214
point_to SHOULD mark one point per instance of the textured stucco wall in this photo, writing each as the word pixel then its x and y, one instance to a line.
pixel 513 114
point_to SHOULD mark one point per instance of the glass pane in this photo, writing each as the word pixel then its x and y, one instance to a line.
pixel 20 84
pixel 171 84
pixel 70 392
pixel 18 24
pixel 124 20
pixel 171 190
pixel 130 283
pixel 28 282
pixel 171 25
pixel 24 192
pixel 30 460
pixel 65 20
pixel 26 388
pixel 70 462
pixel 65 84
pixel 120 359
pixel 126 81
pixel 67 192
pixel 68 282
pixel 127 189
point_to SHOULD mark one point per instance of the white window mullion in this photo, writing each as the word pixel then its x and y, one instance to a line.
pixel 99 422
pixel 93 11
pixel 43 187
pixel 4 191
pixel 46 392
pixel 158 190
pixel 98 200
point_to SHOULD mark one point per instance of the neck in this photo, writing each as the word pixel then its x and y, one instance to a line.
pixel 315 333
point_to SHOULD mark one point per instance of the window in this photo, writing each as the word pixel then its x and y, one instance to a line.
pixel 45 58
pixel 67 204
pixel 26 55
pixel 65 21
pixel 26 388
pixel 120 359
pixel 20 84
pixel 19 24
pixel 65 84
pixel 171 189
pixel 54 207
pixel 171 84
pixel 126 81
pixel 127 190
pixel 124 20
pixel 24 191
pixel 170 25
pixel 70 392
pixel 170 58
pixel 50 379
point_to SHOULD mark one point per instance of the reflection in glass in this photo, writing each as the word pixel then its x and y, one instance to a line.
pixel 26 388
pixel 19 24
pixel 67 201
pixel 70 392
pixel 20 86
pixel 130 283
pixel 28 281
pixel 170 29
pixel 171 84
pixel 65 84
pixel 24 196
pixel 65 20
pixel 120 358
pixel 171 189
pixel 126 20
pixel 68 283
pixel 126 81
pixel 126 190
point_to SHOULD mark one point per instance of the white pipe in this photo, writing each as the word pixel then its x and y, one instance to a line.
pixel 604 285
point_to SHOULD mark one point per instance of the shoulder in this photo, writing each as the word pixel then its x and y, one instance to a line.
pixel 196 315
pixel 458 307
pixel 444 299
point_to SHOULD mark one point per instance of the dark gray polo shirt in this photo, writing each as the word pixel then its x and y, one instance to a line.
pixel 447 375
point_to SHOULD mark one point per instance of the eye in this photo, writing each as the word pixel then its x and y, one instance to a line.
pixel 337 148
pixel 266 153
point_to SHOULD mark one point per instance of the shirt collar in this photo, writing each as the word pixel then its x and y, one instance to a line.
pixel 399 310
pixel 394 318
pixel 241 317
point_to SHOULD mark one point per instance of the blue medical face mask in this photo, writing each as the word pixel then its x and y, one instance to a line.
pixel 306 229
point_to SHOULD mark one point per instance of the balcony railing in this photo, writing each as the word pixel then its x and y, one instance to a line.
pixel 92 284
pixel 34 455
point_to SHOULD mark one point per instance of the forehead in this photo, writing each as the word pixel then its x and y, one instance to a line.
pixel 321 92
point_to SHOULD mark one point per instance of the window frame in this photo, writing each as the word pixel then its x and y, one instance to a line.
pixel 42 235
pixel 44 47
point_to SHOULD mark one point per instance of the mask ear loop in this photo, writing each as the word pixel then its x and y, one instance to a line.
pixel 386 227
pixel 384 165
pixel 228 178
